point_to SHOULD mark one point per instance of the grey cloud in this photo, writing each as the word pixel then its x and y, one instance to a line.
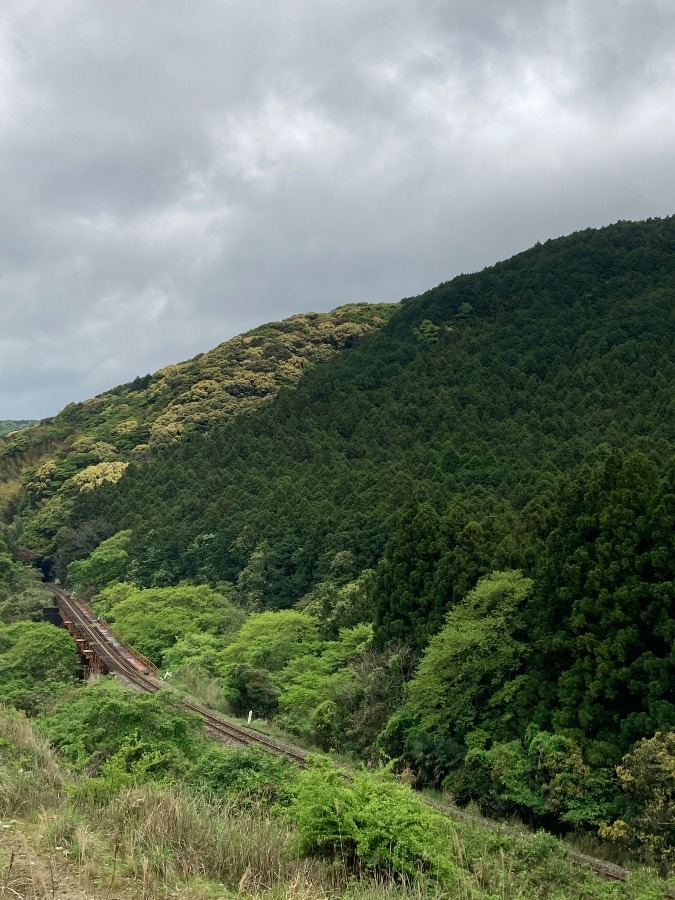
pixel 173 174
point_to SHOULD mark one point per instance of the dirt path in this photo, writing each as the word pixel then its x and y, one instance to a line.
pixel 29 875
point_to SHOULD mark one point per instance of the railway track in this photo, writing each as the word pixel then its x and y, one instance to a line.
pixel 602 867
pixel 124 662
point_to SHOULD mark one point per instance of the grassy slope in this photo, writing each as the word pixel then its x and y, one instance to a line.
pixel 60 839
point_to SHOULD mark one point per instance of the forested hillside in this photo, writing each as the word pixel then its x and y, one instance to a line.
pixel 474 398
pixel 451 546
pixel 92 442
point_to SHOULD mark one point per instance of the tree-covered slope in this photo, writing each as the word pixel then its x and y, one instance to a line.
pixel 475 396
pixel 92 442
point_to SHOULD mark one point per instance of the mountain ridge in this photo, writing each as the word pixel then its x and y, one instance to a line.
pixel 237 375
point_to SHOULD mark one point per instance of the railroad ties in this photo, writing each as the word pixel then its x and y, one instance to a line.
pixel 104 651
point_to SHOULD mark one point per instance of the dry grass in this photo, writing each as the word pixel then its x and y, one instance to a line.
pixel 155 841
pixel 164 836
pixel 168 834
pixel 18 731
pixel 30 779
pixel 161 840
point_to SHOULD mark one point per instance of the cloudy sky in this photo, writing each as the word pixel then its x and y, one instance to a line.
pixel 174 172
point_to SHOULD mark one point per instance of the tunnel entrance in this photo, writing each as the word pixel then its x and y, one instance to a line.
pixel 52 614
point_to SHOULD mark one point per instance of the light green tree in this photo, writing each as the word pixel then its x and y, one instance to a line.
pixel 153 619
pixel 270 640
pixel 474 662
pixel 104 565
pixel 314 687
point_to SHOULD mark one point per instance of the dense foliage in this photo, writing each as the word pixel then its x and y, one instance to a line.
pixel 106 727
pixel 647 776
pixel 583 650
pixel 35 660
pixel 452 545
pixel 536 364
pixel 22 595
pixel 154 619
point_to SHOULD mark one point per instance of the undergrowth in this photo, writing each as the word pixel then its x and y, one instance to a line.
pixel 248 824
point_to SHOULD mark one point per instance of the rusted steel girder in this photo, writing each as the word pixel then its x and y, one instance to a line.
pixel 91 662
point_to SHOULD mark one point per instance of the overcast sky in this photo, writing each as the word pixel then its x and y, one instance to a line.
pixel 174 172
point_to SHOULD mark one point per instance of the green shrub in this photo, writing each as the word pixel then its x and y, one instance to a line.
pixel 647 776
pixel 249 775
pixel 370 824
pixel 148 736
pixel 36 660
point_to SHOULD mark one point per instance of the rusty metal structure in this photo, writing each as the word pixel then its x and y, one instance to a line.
pixel 91 663
pixel 104 652
pixel 101 651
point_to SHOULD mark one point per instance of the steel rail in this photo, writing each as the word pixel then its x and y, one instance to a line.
pixel 116 663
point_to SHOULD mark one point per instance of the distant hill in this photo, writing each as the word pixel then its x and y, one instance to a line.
pixel 7 426
pixel 101 435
